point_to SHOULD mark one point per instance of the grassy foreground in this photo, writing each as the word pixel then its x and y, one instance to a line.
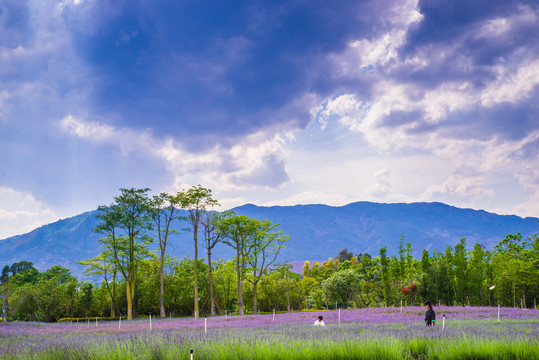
pixel 359 335
pixel 328 349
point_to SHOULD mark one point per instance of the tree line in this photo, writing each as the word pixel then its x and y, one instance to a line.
pixel 129 279
pixel 128 226
pixel 507 275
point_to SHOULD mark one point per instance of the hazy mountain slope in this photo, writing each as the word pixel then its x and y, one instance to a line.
pixel 316 232
pixel 322 230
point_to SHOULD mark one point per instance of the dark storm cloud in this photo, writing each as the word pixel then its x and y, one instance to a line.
pixel 446 21
pixel 481 45
pixel 210 68
pixel 464 39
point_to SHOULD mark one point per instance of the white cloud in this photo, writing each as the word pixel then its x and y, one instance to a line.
pixel 20 212
pixel 511 86
pixel 362 54
pixel 126 140
pixel 496 28
pixel 470 187
pixel 217 165
pixel 381 186
pixel 346 107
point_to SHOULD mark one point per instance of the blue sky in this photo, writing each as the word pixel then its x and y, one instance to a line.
pixel 271 103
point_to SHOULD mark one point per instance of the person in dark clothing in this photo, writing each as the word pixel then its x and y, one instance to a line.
pixel 430 316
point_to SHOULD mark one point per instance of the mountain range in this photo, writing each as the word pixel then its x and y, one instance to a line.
pixel 316 232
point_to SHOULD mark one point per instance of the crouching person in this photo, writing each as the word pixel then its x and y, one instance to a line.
pixel 319 321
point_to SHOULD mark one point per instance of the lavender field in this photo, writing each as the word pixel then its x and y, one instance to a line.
pixel 381 333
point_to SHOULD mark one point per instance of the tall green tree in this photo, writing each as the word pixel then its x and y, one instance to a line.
pixel 410 263
pixel 87 295
pixel 384 264
pixel 225 282
pixel 516 263
pixel 461 268
pixel 239 230
pixel 447 276
pixel 104 266
pixel 214 233
pixel 126 224
pixel 343 287
pixel 425 288
pixel 402 261
pixel 288 277
pixel 477 271
pixel 164 209
pixel 266 243
pixel 196 200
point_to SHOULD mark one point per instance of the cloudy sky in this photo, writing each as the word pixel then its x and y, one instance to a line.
pixel 268 102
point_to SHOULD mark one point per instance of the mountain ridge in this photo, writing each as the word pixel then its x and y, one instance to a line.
pixel 316 231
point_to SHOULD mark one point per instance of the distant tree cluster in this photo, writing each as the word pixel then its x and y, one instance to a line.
pixel 508 276
pixel 31 295
pixel 132 280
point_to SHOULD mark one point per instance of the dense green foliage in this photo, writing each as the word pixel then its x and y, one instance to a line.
pixel 127 278
pixel 508 276
pixel 362 281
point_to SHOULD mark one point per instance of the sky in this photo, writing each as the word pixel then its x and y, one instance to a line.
pixel 268 102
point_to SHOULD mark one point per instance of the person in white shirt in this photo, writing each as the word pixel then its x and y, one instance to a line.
pixel 319 321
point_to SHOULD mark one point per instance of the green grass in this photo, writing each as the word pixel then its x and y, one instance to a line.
pixel 514 339
pixel 270 349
